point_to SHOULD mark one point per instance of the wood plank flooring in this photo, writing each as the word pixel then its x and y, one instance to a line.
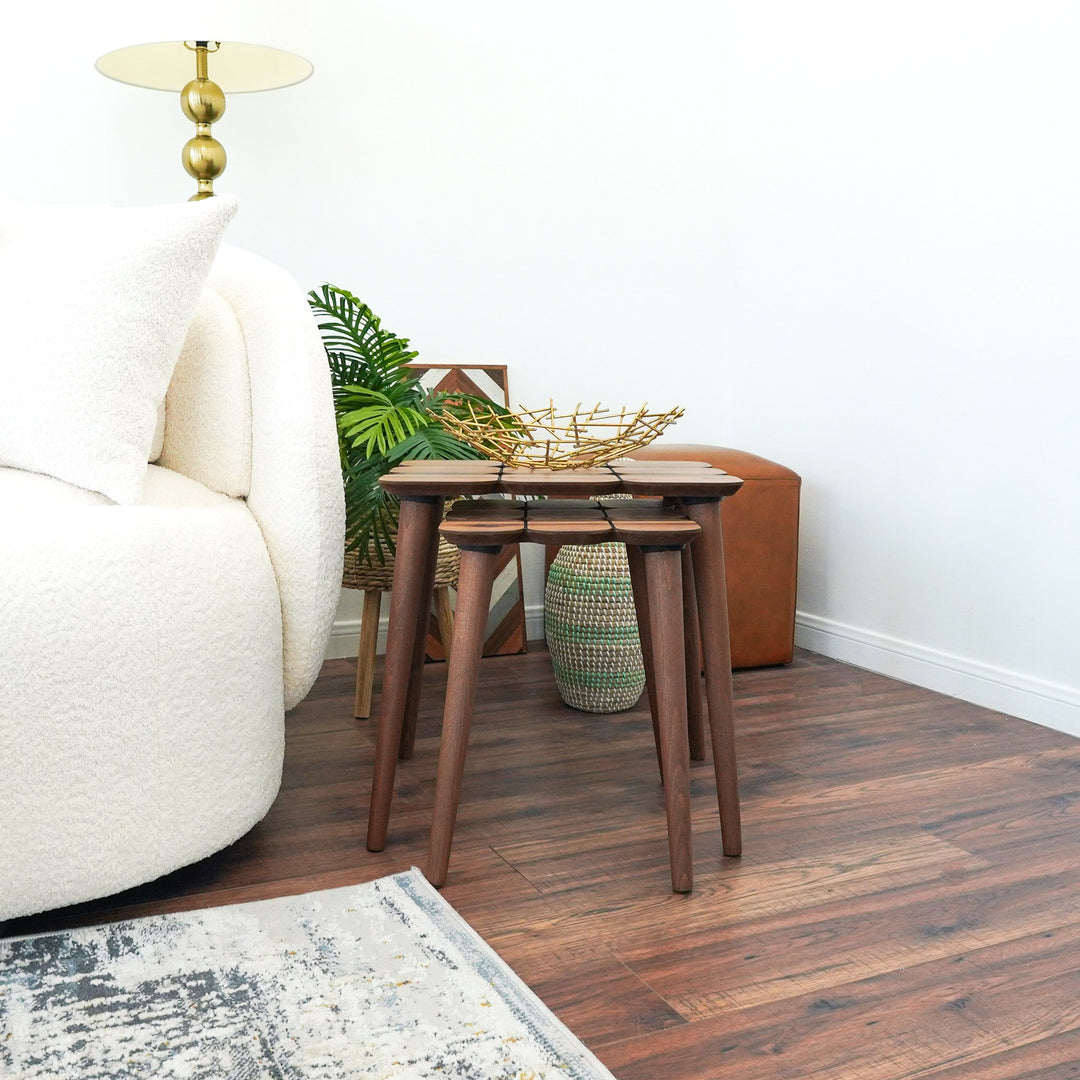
pixel 907 904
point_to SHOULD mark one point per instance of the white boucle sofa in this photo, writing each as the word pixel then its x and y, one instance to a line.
pixel 149 652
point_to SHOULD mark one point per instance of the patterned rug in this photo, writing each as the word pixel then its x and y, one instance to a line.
pixel 377 980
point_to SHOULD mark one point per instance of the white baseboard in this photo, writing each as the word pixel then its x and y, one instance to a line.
pixel 534 622
pixel 345 636
pixel 1011 692
pixel 345 639
pixel 1050 704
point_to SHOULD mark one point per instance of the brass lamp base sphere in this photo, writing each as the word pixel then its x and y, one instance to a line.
pixel 203 101
pixel 203 157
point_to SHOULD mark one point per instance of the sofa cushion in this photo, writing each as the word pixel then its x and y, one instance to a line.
pixel 26 494
pixel 95 302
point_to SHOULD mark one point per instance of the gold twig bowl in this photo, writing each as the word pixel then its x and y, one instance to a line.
pixel 547 438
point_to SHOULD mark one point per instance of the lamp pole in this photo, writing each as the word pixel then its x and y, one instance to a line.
pixel 203 103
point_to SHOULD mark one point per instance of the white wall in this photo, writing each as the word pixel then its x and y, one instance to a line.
pixel 843 235
pixel 900 324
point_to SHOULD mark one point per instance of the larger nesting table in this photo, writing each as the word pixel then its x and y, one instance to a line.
pixel 697 489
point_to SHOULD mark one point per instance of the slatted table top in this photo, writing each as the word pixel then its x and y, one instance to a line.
pixel 674 479
pixel 649 522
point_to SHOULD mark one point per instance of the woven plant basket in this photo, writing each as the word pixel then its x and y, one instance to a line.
pixel 375 575
pixel 591 628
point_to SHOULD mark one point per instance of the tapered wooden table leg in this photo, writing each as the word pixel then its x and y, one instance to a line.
pixel 663 571
pixel 473 598
pixel 365 654
pixel 636 562
pixel 444 615
pixel 410 596
pixel 416 672
pixel 708 557
pixel 695 707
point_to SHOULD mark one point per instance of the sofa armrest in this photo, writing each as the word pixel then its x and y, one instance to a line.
pixel 295 491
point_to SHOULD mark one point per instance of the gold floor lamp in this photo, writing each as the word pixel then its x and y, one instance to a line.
pixel 186 66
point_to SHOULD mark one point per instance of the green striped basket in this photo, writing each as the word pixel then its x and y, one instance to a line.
pixel 591 628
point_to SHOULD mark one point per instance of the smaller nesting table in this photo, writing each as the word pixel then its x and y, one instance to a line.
pixel 684 506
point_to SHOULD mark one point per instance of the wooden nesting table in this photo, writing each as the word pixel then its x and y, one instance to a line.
pixel 685 495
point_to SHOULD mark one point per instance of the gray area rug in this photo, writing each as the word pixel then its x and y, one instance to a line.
pixel 377 980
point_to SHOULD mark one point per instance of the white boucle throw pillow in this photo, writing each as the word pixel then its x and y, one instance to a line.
pixel 94 305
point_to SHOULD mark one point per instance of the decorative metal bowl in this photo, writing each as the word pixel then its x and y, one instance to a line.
pixel 546 438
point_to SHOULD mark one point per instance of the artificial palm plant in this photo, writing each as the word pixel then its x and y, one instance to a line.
pixel 384 415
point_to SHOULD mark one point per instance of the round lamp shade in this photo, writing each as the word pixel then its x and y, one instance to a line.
pixel 236 67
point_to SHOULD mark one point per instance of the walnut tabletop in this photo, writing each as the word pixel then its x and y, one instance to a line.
pixel 672 479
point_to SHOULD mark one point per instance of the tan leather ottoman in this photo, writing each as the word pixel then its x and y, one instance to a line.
pixel 761 546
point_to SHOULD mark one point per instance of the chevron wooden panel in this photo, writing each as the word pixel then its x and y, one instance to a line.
pixel 506 618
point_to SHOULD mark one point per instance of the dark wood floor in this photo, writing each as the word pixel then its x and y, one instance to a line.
pixel 908 903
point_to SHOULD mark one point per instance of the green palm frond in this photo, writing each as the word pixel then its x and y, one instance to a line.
pixel 384 415
pixel 371 514
pixel 431 442
pixel 359 350
pixel 378 423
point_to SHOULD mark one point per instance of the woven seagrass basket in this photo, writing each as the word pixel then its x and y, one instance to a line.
pixel 375 575
pixel 591 628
